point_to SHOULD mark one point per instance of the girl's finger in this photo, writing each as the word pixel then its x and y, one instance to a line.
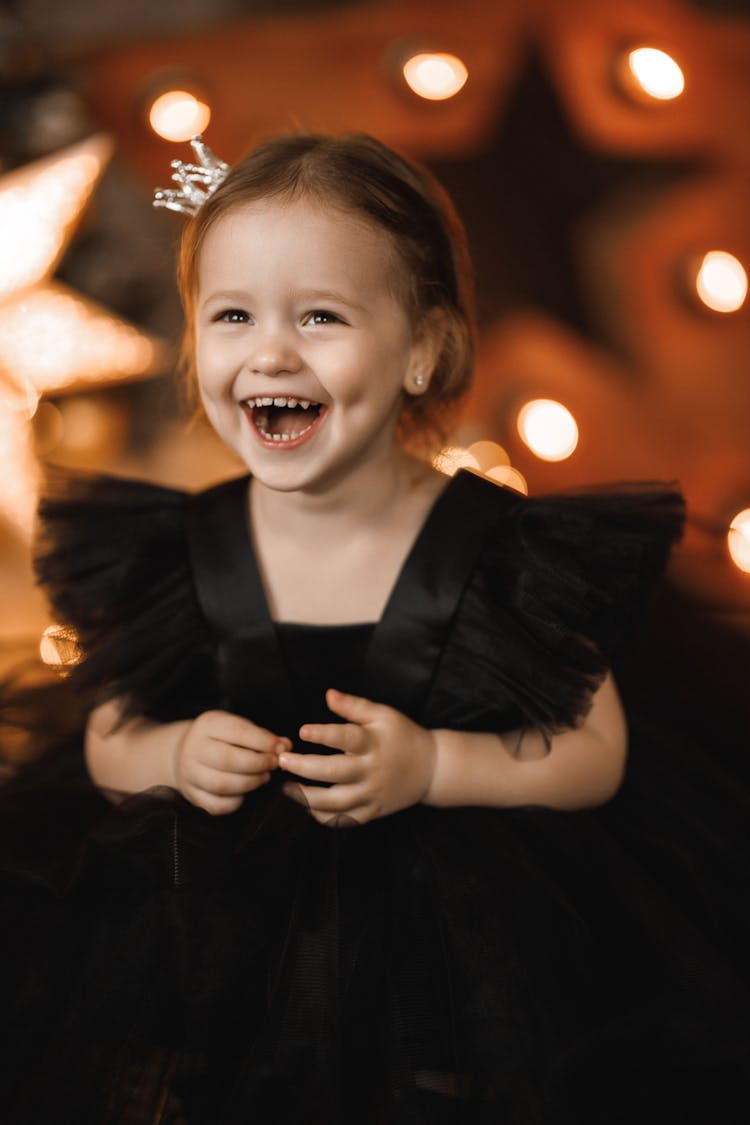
pixel 335 768
pixel 353 707
pixel 338 799
pixel 226 758
pixel 238 731
pixel 213 804
pixel 228 784
pixel 339 736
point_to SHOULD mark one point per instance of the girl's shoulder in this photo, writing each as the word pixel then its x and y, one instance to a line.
pixel 558 589
pixel 112 555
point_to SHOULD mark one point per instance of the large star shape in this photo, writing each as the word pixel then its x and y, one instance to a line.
pixel 524 197
pixel 51 338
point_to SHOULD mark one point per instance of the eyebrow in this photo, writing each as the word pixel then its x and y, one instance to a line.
pixel 330 295
pixel 305 294
pixel 224 295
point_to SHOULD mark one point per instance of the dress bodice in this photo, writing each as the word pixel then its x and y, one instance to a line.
pixel 318 657
pixel 392 661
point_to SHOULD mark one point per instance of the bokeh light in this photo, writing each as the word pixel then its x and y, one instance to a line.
pixel 721 282
pixel 548 429
pixel 59 647
pixel 656 73
pixel 49 428
pixel 453 458
pixel 738 540
pixel 486 458
pixel 178 115
pixel 509 477
pixel 435 77
pixel 488 455
pixel 20 473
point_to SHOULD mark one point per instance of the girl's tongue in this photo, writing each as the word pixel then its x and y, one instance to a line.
pixel 285 420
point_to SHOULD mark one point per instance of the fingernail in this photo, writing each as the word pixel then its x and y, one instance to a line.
pixel 283 760
pixel 280 746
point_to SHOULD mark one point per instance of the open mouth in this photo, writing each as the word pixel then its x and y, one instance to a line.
pixel 283 420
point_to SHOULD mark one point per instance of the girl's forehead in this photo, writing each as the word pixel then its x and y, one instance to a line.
pixel 279 216
pixel 304 233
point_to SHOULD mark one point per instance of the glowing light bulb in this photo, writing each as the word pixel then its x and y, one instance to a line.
pixel 721 282
pixel 656 73
pixel 548 429
pixel 738 540
pixel 178 115
pixel 435 77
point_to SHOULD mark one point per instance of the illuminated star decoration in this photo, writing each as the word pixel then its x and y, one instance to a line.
pixel 51 337
pixel 524 196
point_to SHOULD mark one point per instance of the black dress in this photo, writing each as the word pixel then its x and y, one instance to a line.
pixel 459 965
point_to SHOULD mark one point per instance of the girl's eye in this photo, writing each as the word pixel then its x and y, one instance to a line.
pixel 232 316
pixel 322 316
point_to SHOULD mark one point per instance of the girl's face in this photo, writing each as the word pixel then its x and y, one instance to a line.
pixel 304 345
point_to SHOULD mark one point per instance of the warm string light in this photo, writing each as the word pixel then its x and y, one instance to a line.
pixel 721 282
pixel 435 77
pixel 738 540
pixel 548 429
pixel 652 72
pixel 178 115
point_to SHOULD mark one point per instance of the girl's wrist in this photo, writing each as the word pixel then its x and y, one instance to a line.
pixel 460 775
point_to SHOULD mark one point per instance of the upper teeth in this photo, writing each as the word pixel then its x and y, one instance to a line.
pixel 303 402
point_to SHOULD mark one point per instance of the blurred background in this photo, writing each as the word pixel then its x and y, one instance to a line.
pixel 599 153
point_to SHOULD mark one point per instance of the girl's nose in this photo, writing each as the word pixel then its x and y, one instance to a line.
pixel 273 353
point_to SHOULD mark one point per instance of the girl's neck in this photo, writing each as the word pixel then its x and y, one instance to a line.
pixel 366 498
pixel 334 557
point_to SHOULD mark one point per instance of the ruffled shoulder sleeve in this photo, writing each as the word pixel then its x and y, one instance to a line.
pixel 554 599
pixel 112 555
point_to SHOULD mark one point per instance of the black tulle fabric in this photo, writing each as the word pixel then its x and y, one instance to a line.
pixel 459 965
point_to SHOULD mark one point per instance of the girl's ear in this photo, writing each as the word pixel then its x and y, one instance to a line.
pixel 425 352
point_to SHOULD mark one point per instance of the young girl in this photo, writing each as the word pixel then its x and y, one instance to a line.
pixel 321 864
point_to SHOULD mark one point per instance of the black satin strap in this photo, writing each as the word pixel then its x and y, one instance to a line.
pixel 231 595
pixel 226 575
pixel 408 640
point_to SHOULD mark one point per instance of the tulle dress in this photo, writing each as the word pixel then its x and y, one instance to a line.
pixel 436 966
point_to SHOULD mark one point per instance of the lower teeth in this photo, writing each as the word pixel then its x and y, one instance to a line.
pixel 284 437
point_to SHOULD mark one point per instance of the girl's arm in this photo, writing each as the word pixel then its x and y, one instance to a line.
pixel 389 762
pixel 213 760
pixel 584 766
pixel 134 756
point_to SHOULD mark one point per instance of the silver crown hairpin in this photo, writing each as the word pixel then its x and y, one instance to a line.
pixel 197 182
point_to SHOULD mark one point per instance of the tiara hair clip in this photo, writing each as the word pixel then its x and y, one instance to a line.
pixel 197 182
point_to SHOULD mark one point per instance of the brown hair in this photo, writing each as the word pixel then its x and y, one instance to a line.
pixel 362 175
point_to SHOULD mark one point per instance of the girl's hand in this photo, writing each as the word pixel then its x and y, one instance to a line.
pixel 386 765
pixel 221 757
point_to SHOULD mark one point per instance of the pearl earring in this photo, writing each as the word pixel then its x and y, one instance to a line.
pixel 419 380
